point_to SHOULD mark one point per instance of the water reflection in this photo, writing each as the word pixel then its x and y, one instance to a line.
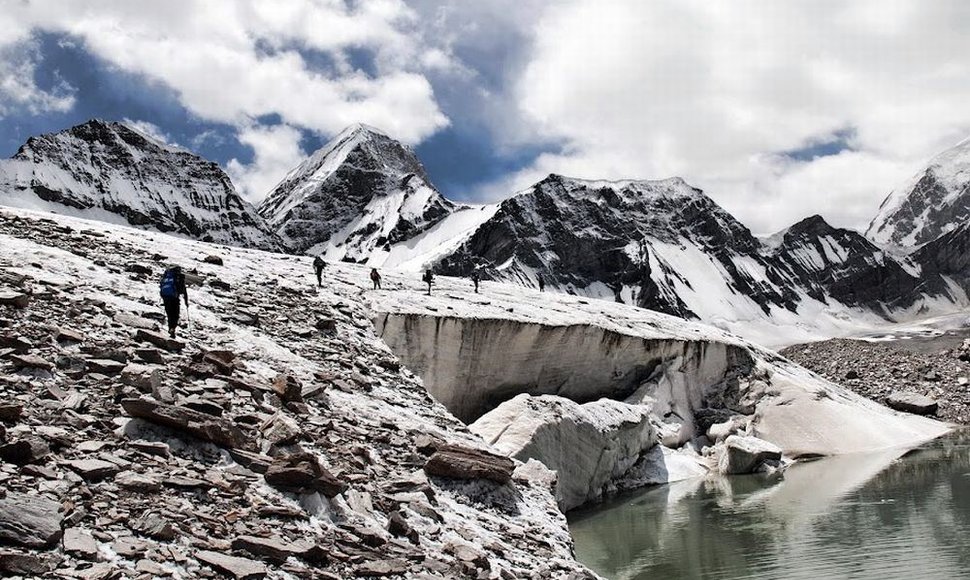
pixel 864 516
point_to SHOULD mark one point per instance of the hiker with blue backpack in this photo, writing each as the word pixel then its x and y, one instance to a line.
pixel 171 287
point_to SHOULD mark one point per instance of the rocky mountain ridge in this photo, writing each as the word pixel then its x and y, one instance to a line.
pixel 109 171
pixel 663 244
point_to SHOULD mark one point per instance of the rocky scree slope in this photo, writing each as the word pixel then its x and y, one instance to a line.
pixel 111 172
pixel 881 370
pixel 933 202
pixel 278 437
pixel 360 193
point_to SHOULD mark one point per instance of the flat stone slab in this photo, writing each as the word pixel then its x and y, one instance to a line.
pixel 912 403
pixel 467 463
pixel 104 366
pixel 196 423
pixel 273 549
pixel 80 542
pixel 93 469
pixel 159 340
pixel 235 567
pixel 30 361
pixel 31 521
pixel 301 473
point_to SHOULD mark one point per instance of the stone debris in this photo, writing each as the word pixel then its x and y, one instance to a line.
pixel 937 368
pixel 302 473
pixel 235 567
pixel 160 340
pixel 14 299
pixel 80 543
pixel 93 469
pixel 272 549
pixel 29 361
pixel 31 521
pixel 912 403
pixel 24 451
pixel 195 423
pixel 468 463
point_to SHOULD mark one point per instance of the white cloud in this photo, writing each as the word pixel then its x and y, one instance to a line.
pixel 233 61
pixel 713 90
pixel 277 150
pixel 150 130
pixel 19 92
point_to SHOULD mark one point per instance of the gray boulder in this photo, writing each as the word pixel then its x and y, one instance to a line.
pixel 912 403
pixel 745 454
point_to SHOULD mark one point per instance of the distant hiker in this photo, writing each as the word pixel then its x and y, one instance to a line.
pixel 542 283
pixel 318 266
pixel 171 287
pixel 375 277
pixel 476 278
pixel 428 279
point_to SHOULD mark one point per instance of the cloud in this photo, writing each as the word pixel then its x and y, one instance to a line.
pixel 714 91
pixel 276 151
pixel 19 91
pixel 234 61
pixel 150 130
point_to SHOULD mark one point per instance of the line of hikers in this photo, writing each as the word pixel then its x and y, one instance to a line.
pixel 172 288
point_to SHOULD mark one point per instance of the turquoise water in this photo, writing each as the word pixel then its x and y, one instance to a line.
pixel 874 516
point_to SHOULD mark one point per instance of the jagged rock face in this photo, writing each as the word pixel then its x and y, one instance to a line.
pixel 948 255
pixel 361 192
pixel 844 265
pixel 930 204
pixel 98 169
pixel 624 240
pixel 666 246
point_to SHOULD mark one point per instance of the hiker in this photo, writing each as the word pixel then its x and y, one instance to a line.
pixel 171 287
pixel 428 279
pixel 375 276
pixel 542 283
pixel 476 277
pixel 318 266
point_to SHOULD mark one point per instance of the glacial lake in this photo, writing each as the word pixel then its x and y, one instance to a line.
pixel 874 516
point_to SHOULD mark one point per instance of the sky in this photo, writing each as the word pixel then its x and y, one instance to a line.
pixel 777 110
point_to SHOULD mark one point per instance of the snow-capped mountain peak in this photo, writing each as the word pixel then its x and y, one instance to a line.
pixel 359 193
pixel 109 171
pixel 929 204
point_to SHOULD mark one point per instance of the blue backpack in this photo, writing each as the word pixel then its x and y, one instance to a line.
pixel 168 287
